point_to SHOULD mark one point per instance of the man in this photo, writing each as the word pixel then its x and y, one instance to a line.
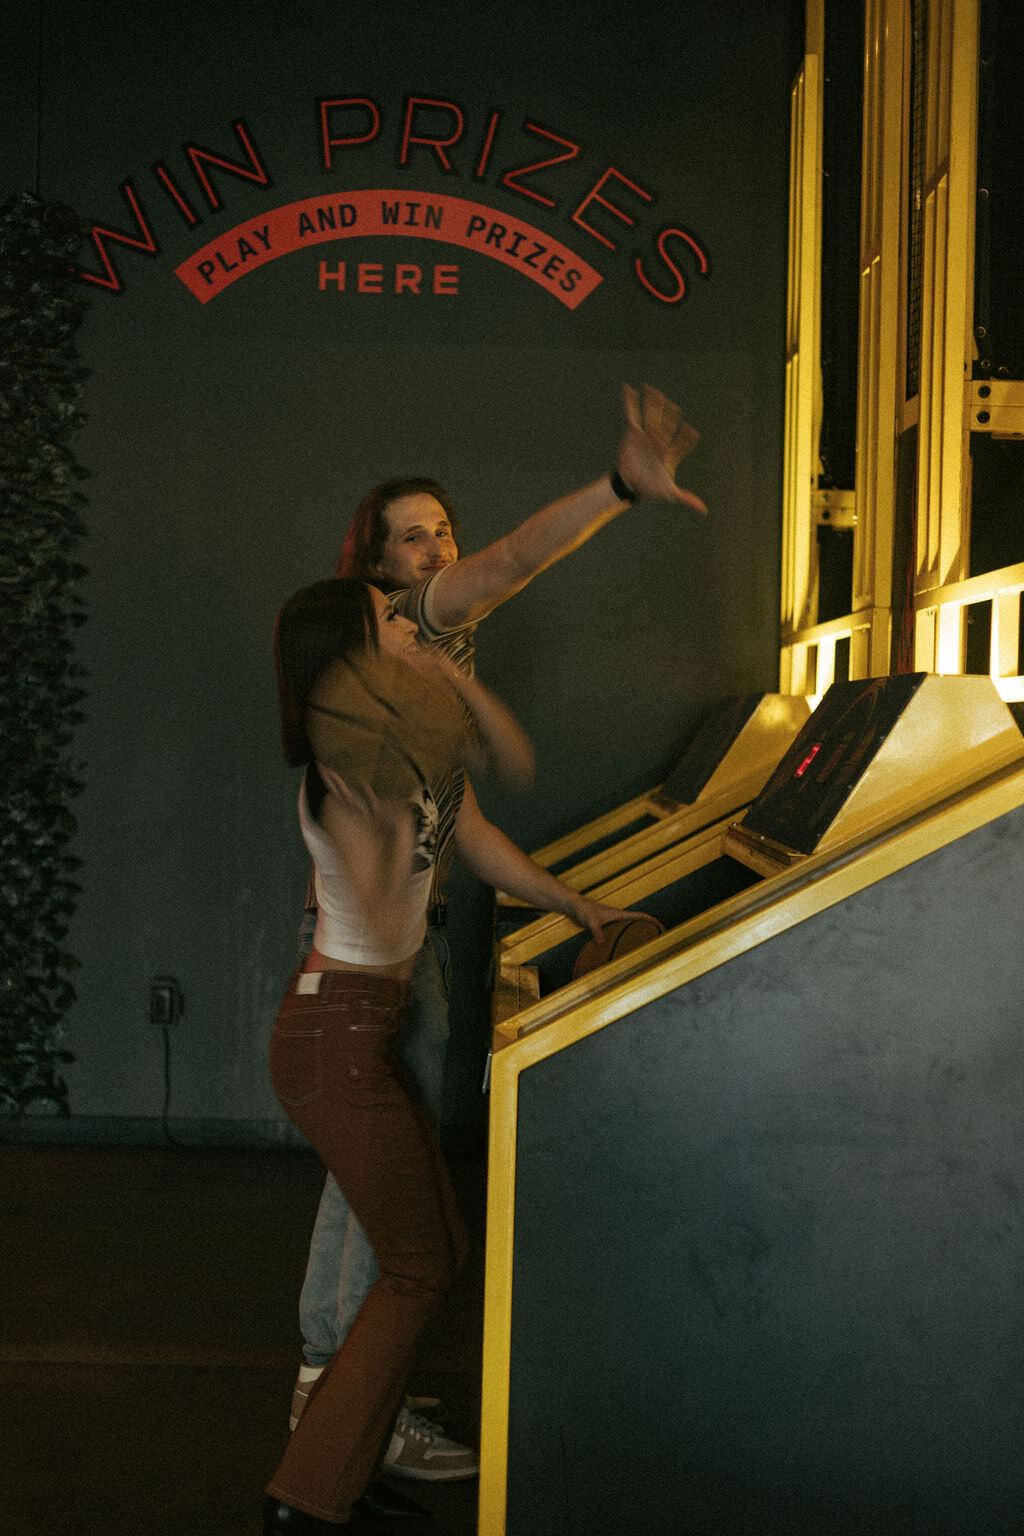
pixel 403 539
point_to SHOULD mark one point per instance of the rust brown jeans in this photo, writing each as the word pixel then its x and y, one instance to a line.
pixel 333 1066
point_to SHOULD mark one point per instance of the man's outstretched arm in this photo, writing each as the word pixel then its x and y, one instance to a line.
pixel 654 441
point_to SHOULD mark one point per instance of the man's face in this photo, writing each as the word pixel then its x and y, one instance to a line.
pixel 419 540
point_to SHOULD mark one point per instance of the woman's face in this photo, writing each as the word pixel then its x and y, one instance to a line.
pixel 396 636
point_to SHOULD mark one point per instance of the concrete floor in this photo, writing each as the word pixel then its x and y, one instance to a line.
pixel 149 1341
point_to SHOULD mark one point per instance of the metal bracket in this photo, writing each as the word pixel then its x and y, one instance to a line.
pixel 834 509
pixel 996 406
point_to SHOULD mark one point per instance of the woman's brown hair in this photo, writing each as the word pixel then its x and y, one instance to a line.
pixel 317 625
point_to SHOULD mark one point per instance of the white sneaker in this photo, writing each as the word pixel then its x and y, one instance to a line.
pixel 419 1449
pixel 309 1375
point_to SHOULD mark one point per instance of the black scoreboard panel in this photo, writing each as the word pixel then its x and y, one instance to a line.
pixel 805 793
pixel 873 749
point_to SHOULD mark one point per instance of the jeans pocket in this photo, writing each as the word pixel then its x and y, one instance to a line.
pixel 367 1080
pixel 296 1066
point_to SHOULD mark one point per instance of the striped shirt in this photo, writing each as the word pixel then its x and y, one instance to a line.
pixel 459 645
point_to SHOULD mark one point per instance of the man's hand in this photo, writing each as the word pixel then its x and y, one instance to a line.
pixel 655 441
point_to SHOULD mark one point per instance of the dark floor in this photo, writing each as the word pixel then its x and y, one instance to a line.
pixel 149 1342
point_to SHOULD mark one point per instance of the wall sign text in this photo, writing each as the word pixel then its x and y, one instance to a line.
pixel 607 213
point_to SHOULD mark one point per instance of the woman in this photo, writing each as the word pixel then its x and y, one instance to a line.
pixel 368 817
pixel 376 720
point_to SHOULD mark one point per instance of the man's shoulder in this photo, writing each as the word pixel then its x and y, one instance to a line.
pixel 459 644
pixel 414 603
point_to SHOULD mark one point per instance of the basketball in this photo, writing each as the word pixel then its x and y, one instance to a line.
pixel 625 934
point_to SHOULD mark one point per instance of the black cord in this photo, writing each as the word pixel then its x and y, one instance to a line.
pixel 169 1137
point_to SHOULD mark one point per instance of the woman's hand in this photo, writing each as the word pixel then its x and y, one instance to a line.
pixel 498 746
pixel 594 914
pixel 654 443
pixel 432 663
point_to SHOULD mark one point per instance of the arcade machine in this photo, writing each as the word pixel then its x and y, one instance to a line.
pixel 724 766
pixel 754 1248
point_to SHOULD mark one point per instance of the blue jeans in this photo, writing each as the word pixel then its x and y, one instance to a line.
pixel 342 1266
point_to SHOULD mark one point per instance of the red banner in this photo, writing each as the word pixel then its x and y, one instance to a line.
pixel 350 215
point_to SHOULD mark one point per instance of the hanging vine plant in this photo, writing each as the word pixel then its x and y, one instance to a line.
pixel 41 527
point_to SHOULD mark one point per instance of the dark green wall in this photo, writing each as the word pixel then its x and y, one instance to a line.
pixel 228 441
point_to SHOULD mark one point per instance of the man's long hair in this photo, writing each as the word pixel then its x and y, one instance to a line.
pixel 368 531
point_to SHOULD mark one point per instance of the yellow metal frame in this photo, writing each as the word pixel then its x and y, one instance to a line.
pixel 881 328
pixel 514 984
pixel 803 344
pixel 808 649
pixel 953 404
pixel 811 654
pixel 741 774
pixel 941 616
pixel 673 826
pixel 949 405
pixel 995 407
pixel 950 152
pixel 651 803
pixel 957 405
pixel 777 904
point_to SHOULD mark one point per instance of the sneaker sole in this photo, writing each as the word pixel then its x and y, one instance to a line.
pixel 433 1475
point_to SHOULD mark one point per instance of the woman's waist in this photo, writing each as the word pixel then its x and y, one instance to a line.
pixel 317 963
pixel 344 939
pixel 349 986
